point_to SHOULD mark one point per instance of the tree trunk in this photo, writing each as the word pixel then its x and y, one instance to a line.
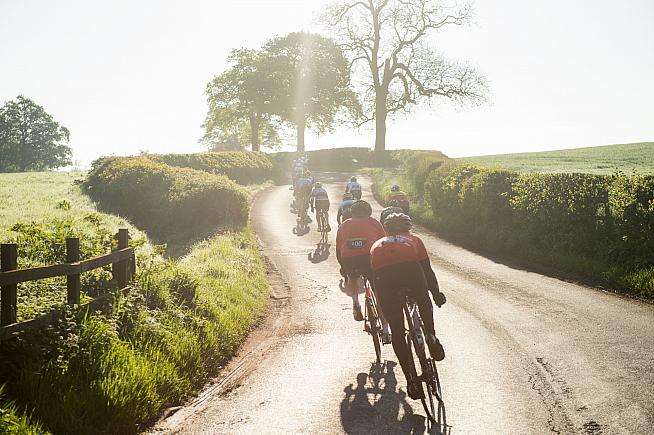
pixel 254 132
pixel 301 126
pixel 380 123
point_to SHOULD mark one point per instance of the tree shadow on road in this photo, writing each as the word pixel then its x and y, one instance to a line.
pixel 375 405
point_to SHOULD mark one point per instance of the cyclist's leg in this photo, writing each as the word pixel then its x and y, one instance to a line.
pixel 416 284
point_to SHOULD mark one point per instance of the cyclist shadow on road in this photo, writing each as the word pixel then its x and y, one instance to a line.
pixel 321 253
pixel 374 405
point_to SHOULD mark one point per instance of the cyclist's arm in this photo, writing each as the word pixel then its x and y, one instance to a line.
pixel 338 216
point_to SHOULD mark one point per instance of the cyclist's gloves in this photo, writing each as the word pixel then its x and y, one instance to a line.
pixel 439 299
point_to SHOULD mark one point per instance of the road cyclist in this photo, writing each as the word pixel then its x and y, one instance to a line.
pixel 399 198
pixel 345 208
pixel 302 193
pixel 354 238
pixel 400 268
pixel 319 201
pixel 354 188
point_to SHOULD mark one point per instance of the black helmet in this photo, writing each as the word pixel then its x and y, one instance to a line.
pixel 318 184
pixel 394 203
pixel 361 209
pixel 353 178
pixel 395 188
pixel 346 196
pixel 397 223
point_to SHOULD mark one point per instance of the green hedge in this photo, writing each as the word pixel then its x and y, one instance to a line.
pixel 242 167
pixel 592 224
pixel 164 200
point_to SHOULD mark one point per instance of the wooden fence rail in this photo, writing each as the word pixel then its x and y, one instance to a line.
pixel 122 261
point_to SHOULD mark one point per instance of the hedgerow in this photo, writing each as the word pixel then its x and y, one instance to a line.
pixel 593 226
pixel 240 166
pixel 165 200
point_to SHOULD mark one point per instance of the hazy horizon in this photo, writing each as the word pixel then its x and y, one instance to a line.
pixel 126 77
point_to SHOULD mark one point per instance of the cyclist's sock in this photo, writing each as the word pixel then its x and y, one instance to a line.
pixel 355 299
pixel 385 328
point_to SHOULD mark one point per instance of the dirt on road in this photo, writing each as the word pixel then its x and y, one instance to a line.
pixel 525 353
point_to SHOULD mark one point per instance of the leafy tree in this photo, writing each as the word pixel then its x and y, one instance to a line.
pixel 311 82
pixel 239 101
pixel 387 42
pixel 30 139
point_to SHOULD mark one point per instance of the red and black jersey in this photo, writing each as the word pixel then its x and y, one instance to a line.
pixel 355 236
pixel 395 249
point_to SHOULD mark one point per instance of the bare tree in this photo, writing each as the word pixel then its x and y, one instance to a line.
pixel 386 40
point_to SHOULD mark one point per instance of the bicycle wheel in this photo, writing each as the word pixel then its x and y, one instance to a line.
pixel 374 329
pixel 432 403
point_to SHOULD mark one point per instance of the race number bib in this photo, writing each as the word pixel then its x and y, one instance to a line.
pixel 357 243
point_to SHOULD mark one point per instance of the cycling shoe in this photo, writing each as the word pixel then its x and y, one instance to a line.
pixel 356 311
pixel 435 347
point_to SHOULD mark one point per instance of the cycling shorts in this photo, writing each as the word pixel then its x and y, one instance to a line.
pixel 392 283
pixel 357 266
pixel 321 205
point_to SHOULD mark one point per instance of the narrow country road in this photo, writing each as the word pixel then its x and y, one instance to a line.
pixel 525 353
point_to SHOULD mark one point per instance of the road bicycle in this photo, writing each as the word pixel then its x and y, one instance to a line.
pixel 323 224
pixel 433 401
pixel 372 320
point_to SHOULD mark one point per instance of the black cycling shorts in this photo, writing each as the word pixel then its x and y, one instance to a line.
pixel 357 266
pixel 356 194
pixel 392 283
pixel 321 205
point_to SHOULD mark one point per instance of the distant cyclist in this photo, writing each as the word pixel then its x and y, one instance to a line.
pixel 320 201
pixel 345 209
pixel 302 193
pixel 399 197
pixel 400 266
pixel 354 188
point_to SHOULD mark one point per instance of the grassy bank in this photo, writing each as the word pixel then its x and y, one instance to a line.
pixel 594 160
pixel 114 371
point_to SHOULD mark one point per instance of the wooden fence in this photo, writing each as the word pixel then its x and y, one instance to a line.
pixel 123 266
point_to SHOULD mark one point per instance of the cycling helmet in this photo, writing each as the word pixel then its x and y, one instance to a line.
pixel 361 209
pixel 397 223
pixel 353 178
pixel 389 211
pixel 394 203
pixel 395 188
pixel 347 196
pixel 307 173
pixel 318 185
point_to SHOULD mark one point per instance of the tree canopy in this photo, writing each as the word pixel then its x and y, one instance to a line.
pixel 387 41
pixel 312 82
pixel 30 139
pixel 239 101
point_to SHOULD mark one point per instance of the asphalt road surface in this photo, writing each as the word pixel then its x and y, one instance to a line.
pixel 525 353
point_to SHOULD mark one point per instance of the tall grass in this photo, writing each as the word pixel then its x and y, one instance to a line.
pixel 113 372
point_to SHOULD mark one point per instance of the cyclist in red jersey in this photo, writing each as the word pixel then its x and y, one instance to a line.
pixel 400 266
pixel 353 241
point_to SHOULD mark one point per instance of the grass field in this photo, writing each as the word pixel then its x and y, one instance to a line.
pixel 596 160
pixel 114 371
pixel 42 196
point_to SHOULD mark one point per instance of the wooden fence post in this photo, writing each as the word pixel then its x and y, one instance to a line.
pixel 121 269
pixel 73 282
pixel 9 298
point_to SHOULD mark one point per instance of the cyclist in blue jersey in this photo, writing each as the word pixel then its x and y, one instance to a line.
pixel 320 201
pixel 345 209
pixel 354 188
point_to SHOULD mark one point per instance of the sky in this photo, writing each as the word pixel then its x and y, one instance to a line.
pixel 128 76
